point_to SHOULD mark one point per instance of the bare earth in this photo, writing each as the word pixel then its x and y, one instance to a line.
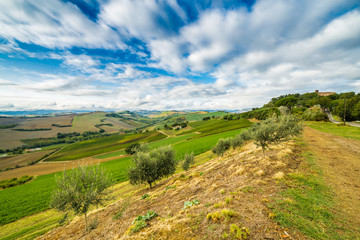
pixel 339 158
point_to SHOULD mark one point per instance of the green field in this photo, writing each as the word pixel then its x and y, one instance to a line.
pixel 103 145
pixel 214 126
pixel 203 144
pixel 155 144
pixel 199 116
pixel 336 129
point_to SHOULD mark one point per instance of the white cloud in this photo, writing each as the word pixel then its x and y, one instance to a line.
pixel 53 24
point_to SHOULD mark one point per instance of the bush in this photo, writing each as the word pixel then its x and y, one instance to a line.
pixel 221 146
pixel 151 166
pixel 188 159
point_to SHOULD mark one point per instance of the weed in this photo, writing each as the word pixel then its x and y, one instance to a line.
pixel 141 221
pixel 239 233
pixel 145 196
pixel 189 204
pixel 224 214
pixel 170 187
pixel 93 223
pixel 119 214
pixel 228 200
pixel 247 189
pixel 222 191
pixel 138 226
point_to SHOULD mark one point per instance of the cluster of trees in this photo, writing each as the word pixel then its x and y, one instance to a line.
pixel 270 131
pixel 308 106
pixel 257 113
pixel 208 118
pixel 176 126
pixel 343 105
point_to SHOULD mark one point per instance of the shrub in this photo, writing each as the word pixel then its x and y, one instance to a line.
pixel 188 159
pixel 221 146
pixel 151 166
pixel 79 188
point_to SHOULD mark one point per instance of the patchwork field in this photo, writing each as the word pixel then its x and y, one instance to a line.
pixel 102 145
pixel 10 138
pixel 198 116
pixel 87 122
pixel 214 126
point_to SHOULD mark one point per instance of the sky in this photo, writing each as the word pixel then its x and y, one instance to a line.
pixel 174 54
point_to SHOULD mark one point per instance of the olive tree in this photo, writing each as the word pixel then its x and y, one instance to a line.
pixel 150 166
pixel 275 130
pixel 79 188
pixel 188 159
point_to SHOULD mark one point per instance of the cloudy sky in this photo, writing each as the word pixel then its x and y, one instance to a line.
pixel 174 54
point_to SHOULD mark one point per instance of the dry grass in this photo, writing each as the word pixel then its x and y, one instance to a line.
pixel 233 188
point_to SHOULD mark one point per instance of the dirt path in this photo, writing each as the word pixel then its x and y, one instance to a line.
pixel 339 158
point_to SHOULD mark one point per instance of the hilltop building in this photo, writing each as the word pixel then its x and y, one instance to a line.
pixel 324 94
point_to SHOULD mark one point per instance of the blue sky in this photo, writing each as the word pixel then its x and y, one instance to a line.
pixel 169 54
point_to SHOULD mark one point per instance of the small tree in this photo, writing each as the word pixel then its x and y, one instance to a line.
pixel 275 130
pixel 188 159
pixel 221 146
pixel 79 188
pixel 136 147
pixel 151 166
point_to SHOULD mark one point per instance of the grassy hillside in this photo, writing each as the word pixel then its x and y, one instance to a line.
pixel 102 145
pixel 88 122
pixel 336 129
pixel 200 115
pixel 214 126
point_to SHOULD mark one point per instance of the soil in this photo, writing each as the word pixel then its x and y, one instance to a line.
pixel 339 159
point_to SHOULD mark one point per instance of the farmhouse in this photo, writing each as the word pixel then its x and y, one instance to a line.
pixel 324 94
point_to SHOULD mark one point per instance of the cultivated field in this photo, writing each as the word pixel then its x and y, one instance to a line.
pixel 198 116
pixel 102 145
pixel 20 160
pixel 10 138
pixel 87 122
